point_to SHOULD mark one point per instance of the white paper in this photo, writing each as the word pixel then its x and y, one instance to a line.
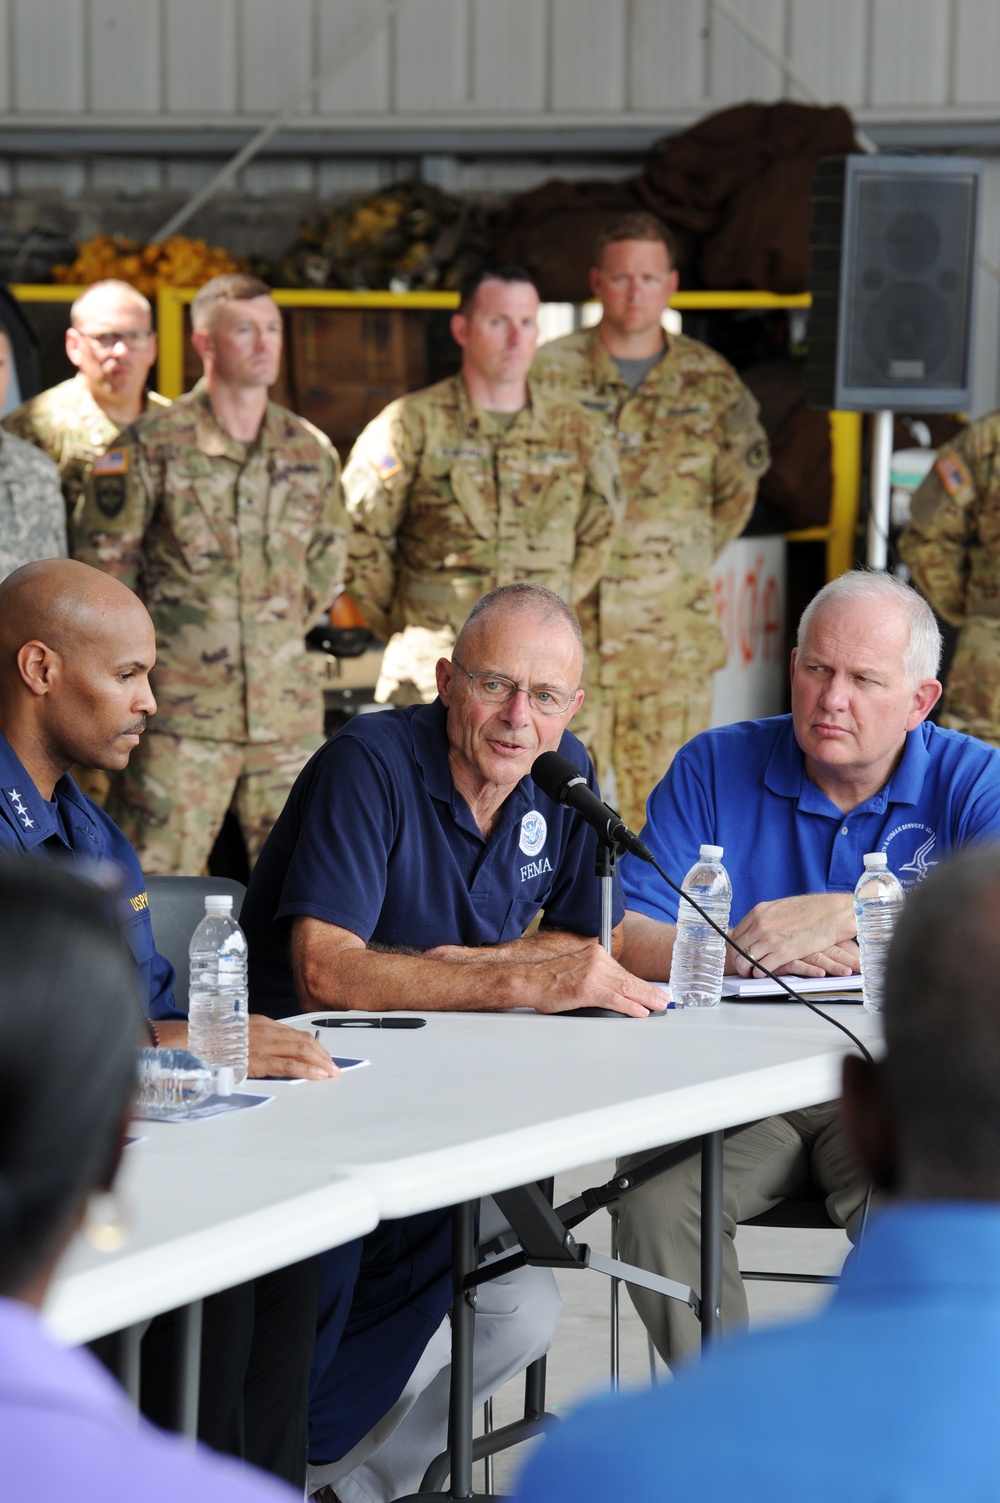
pixel 763 986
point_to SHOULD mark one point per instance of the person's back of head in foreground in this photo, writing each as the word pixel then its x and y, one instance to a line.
pixel 70 1020
pixel 891 1391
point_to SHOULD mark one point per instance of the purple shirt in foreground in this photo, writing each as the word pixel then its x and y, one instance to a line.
pixel 67 1431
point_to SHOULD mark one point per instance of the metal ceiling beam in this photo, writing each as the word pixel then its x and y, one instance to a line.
pixel 624 141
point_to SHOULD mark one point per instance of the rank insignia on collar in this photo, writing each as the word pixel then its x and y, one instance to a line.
pixel 16 801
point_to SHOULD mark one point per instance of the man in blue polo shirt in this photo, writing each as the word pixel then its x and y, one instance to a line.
pixel 796 802
pixel 413 853
pixel 892 1391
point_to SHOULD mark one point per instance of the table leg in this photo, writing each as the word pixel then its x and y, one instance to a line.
pixel 711 1237
pixel 462 1334
pixel 187 1377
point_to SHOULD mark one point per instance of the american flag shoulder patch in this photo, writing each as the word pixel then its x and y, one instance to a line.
pixel 952 473
pixel 114 462
pixel 387 466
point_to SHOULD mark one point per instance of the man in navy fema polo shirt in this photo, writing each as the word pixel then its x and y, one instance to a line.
pixel 797 801
pixel 414 838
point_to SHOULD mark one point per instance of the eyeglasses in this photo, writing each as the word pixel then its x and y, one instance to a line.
pixel 494 689
pixel 132 339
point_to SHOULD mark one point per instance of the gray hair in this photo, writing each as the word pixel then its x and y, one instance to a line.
pixel 942 1030
pixel 524 594
pixel 922 654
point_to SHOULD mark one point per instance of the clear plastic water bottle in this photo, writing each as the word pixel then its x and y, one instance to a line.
pixel 218 1015
pixel 878 898
pixel 171 1082
pixel 699 953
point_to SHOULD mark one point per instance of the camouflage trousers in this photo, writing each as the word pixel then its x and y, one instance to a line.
pixel 637 726
pixel 411 655
pixel 972 692
pixel 172 797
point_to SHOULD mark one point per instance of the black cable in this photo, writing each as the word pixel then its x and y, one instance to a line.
pixel 755 964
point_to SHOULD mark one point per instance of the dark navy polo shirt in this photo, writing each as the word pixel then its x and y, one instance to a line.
pixel 745 787
pixel 73 824
pixel 376 839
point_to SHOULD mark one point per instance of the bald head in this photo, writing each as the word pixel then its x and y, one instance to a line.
pixel 105 299
pixel 111 343
pixel 523 599
pixel 76 649
pixel 64 604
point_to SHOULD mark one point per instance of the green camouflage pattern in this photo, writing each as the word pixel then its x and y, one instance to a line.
pixel 447 504
pixel 236 550
pixel 952 547
pixel 172 797
pixel 692 451
pixel 32 519
pixel 67 424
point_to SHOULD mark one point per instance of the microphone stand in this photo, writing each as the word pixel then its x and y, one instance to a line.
pixel 608 851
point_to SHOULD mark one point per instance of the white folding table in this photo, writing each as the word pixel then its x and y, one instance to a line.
pixel 469 1105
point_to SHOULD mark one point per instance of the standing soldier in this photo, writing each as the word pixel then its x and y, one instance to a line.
pixel 952 546
pixel 475 482
pixel 32 520
pixel 692 452
pixel 111 342
pixel 225 513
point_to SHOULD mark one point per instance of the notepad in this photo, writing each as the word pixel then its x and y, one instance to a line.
pixel 750 988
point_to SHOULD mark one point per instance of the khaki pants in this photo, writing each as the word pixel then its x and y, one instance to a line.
pixel 638 727
pixel 659 1225
pixel 172 797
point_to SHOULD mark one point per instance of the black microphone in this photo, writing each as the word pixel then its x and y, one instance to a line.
pixel 566 784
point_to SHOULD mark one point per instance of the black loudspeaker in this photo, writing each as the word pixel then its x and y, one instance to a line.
pixel 892 280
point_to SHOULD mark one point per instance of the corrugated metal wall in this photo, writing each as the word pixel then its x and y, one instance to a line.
pixel 170 60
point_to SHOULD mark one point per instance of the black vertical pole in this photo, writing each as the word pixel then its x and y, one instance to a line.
pixel 711 1237
pixel 463 1250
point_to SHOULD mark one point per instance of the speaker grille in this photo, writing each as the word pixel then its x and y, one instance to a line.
pixel 892 278
pixel 909 276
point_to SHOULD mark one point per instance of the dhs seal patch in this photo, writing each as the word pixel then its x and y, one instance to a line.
pixel 533 833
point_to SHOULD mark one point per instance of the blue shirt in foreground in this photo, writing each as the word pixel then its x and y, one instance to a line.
pixel 68 1431
pixel 376 839
pixel 73 825
pixel 890 1396
pixel 744 787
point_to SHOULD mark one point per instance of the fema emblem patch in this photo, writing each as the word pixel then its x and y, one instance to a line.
pixel 533 833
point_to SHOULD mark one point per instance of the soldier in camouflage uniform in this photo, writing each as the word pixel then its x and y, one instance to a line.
pixel 32 521
pixel 110 341
pixel 475 482
pixel 691 451
pixel 952 546
pixel 225 513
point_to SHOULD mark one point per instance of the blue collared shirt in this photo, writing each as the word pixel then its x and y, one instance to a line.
pixel 892 1393
pixel 67 1431
pixel 375 838
pixel 73 824
pixel 745 787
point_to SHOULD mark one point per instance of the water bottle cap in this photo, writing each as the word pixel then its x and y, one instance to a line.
pixel 875 860
pixel 711 853
pixel 219 902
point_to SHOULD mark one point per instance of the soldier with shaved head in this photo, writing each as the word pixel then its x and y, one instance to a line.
pixel 111 342
pixel 225 514
pixel 692 451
